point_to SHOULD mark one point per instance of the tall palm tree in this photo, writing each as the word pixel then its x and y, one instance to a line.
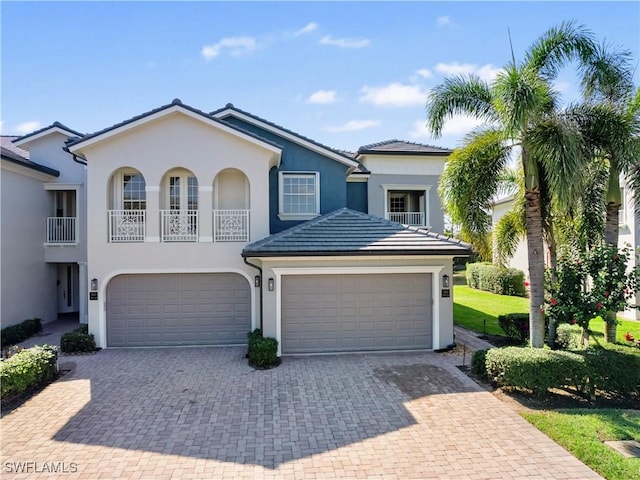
pixel 519 108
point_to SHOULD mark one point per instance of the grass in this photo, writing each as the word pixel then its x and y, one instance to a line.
pixel 471 307
pixel 583 431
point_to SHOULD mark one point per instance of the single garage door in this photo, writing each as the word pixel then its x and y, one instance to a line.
pixel 333 313
pixel 178 309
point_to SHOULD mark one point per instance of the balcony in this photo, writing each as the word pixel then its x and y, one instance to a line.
pixel 231 225
pixel 61 230
pixel 407 218
pixel 126 226
pixel 179 225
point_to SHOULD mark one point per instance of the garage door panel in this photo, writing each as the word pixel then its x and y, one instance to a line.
pixel 178 309
pixel 356 312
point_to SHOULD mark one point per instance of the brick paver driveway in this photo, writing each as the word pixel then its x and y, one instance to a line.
pixel 202 413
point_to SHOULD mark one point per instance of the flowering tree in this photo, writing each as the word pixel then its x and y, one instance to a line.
pixel 589 285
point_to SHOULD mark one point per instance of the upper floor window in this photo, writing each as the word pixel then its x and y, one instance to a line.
pixel 134 195
pixel 299 197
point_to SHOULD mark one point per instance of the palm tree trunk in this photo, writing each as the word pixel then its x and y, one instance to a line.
pixel 612 223
pixel 611 237
pixel 610 328
pixel 535 247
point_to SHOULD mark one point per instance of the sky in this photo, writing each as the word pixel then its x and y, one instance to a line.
pixel 345 74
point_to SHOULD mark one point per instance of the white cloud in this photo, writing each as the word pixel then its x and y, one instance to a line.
pixel 457 127
pixel 28 127
pixel 308 28
pixel 236 46
pixel 322 97
pixel 486 72
pixel 345 42
pixel 394 95
pixel 424 73
pixel 443 21
pixel 354 125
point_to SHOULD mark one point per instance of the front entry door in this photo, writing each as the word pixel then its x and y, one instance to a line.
pixel 67 281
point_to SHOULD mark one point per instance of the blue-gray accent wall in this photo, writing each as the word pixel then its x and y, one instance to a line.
pixel 357 196
pixel 296 158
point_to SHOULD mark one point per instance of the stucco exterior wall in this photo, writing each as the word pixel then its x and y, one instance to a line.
pixel 629 235
pixel 155 148
pixel 520 258
pixel 438 266
pixel 28 283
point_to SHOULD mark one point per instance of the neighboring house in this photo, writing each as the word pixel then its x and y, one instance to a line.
pixel 203 226
pixel 43 243
pixel 629 234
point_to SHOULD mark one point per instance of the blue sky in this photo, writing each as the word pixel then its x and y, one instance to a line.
pixel 345 74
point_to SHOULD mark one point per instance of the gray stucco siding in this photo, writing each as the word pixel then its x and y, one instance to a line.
pixel 376 194
pixel 296 158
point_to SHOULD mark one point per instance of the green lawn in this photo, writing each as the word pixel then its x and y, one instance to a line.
pixel 583 432
pixel 471 307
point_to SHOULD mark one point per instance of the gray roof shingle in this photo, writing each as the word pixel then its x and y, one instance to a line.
pixel 402 146
pixel 348 232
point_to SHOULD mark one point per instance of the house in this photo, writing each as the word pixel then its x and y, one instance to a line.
pixel 202 226
pixel 43 239
pixel 628 235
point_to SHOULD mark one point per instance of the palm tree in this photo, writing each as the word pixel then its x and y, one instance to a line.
pixel 519 108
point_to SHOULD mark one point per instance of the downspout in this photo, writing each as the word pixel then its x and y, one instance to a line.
pixel 261 298
pixel 82 161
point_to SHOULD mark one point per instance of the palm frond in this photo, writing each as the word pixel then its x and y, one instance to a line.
pixel 508 232
pixel 608 75
pixel 459 96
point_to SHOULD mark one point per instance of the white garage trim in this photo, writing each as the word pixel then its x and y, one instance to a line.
pixel 104 283
pixel 434 270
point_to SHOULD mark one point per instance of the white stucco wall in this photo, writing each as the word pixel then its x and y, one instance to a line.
pixel 154 148
pixel 629 235
pixel 520 258
pixel 28 283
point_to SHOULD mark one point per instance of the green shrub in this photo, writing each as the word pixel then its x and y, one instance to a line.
pixel 26 369
pixel 496 279
pixel 614 369
pixel 263 352
pixel 254 336
pixel 535 369
pixel 569 337
pixel 17 333
pixel 479 363
pixel 78 340
pixel 515 326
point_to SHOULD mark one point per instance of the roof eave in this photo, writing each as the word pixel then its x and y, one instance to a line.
pixel 56 127
pixel 356 253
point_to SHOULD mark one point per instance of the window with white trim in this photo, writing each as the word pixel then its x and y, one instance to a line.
pixel 299 197
pixel 134 195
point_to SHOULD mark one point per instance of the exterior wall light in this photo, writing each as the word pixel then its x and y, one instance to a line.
pixel 256 281
pixel 445 281
pixel 94 284
pixel 271 284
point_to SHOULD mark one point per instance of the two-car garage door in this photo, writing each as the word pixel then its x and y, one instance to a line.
pixel 354 312
pixel 178 309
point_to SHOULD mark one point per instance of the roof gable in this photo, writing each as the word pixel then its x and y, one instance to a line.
pixel 55 127
pixel 175 106
pixel 16 155
pixel 348 232
pixel 231 111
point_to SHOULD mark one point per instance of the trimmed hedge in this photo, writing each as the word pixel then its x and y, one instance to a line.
pixel 29 368
pixel 78 341
pixel 515 326
pixel 569 337
pixel 263 352
pixel 479 363
pixel 496 279
pixel 614 370
pixel 17 333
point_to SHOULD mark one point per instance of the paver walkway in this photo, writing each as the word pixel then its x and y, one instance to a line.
pixel 203 413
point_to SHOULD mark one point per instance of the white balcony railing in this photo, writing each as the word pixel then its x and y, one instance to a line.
pixel 179 225
pixel 407 218
pixel 231 225
pixel 126 225
pixel 61 230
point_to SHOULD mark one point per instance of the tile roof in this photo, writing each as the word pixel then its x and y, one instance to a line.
pixel 401 146
pixel 44 129
pixel 230 106
pixel 348 232
pixel 15 154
